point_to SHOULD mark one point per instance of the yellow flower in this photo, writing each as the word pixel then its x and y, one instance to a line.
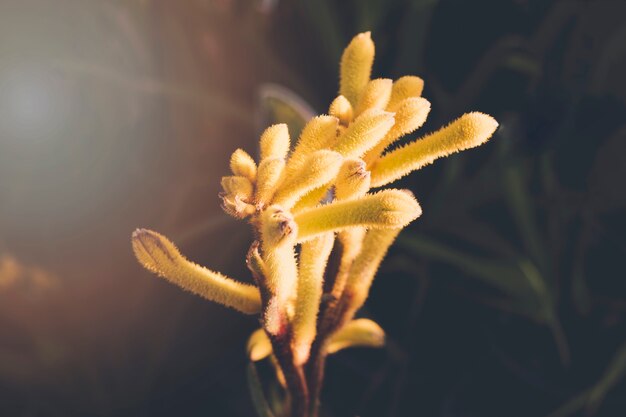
pixel 284 195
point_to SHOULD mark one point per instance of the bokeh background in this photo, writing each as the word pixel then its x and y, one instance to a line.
pixel 506 298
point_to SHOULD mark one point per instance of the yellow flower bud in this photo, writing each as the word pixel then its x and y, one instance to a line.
pixel 468 131
pixel 278 235
pixel 373 250
pixel 242 164
pixel 157 254
pixel 312 264
pixel 268 177
pixel 364 133
pixel 356 67
pixel 357 333
pixel 375 96
pixel 274 142
pixel 320 169
pixel 410 116
pixel 403 88
pixel 386 209
pixel 319 133
pixel 341 109
pixel 311 199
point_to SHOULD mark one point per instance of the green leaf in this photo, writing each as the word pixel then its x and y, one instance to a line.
pixel 518 279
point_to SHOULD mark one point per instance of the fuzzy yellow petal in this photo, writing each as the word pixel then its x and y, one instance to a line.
pixel 242 164
pixel 375 96
pixel 353 180
pixel 350 241
pixel 386 209
pixel 364 133
pixel 356 67
pixel 319 133
pixel 274 142
pixel 311 199
pixel 278 234
pixel 410 116
pixel 363 270
pixel 468 131
pixel 312 264
pixel 403 88
pixel 320 168
pixel 269 175
pixel 341 109
pixel 357 333
pixel 157 254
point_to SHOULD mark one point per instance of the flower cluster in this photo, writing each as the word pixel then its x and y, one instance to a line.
pixel 312 198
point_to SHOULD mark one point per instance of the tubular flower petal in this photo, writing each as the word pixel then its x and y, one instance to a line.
pixel 373 250
pixel 318 133
pixel 320 169
pixel 375 95
pixel 159 255
pixel 313 257
pixel 468 131
pixel 278 234
pixel 410 116
pixel 357 333
pixel 242 164
pixel 341 109
pixel 385 209
pixel 269 175
pixel 403 88
pixel 356 66
pixel 364 133
pixel 274 142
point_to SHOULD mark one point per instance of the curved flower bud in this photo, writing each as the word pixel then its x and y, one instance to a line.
pixel 356 66
pixel 157 254
pixel 278 235
pixel 373 250
pixel 259 346
pixel 313 258
pixel 410 116
pixel 318 133
pixel 375 95
pixel 320 169
pixel 242 164
pixel 468 131
pixel 274 142
pixel 269 175
pixel 341 109
pixel 357 333
pixel 364 133
pixel 403 88
pixel 385 209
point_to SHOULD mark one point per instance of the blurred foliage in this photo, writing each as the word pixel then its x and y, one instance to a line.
pixel 507 297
